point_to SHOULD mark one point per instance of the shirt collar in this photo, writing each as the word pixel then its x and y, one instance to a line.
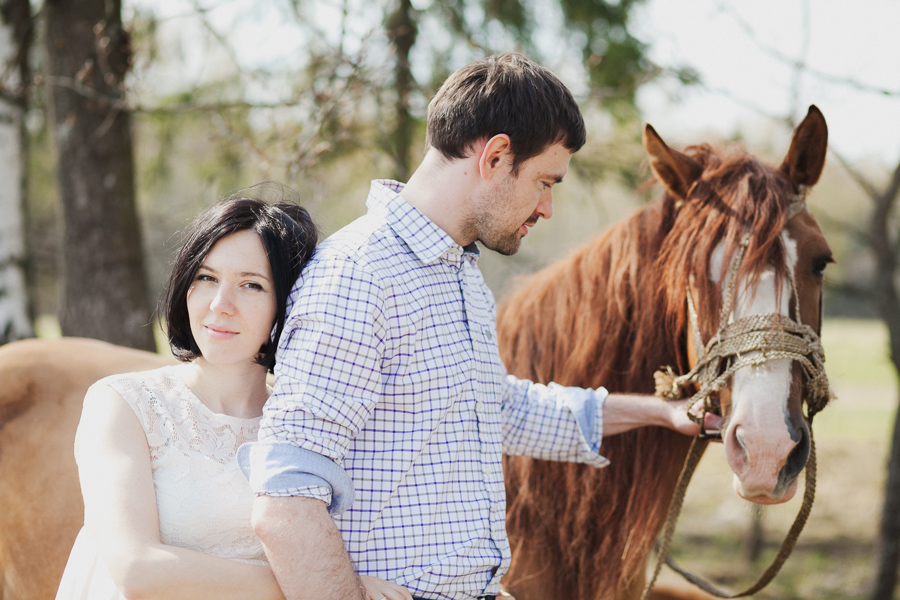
pixel 426 240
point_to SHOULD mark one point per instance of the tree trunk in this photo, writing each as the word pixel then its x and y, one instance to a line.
pixel 889 534
pixel 888 304
pixel 15 41
pixel 756 536
pixel 402 32
pixel 104 284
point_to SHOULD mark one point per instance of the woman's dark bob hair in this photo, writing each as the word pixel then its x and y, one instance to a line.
pixel 288 235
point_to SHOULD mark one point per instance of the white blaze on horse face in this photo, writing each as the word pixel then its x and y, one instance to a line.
pixel 758 439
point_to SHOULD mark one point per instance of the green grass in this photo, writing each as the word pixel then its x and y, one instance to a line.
pixel 863 379
pixel 856 353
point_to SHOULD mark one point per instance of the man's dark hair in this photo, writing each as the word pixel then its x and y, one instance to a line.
pixel 504 93
pixel 289 237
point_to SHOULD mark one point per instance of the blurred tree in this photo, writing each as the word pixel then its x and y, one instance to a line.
pixel 15 42
pixel 883 239
pixel 88 54
pixel 596 30
pixel 353 85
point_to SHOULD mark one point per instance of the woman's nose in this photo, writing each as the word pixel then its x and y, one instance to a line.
pixel 222 301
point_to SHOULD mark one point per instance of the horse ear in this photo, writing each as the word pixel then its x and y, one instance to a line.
pixel 806 157
pixel 677 171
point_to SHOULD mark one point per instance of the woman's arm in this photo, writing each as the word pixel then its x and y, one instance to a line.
pixel 120 511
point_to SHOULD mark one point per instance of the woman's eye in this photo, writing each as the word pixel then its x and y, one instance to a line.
pixel 253 285
pixel 205 278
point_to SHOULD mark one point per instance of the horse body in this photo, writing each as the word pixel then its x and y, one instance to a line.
pixel 616 311
pixel 44 383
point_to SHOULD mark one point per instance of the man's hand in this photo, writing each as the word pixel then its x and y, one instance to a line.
pixel 379 589
pixel 680 422
pixel 624 412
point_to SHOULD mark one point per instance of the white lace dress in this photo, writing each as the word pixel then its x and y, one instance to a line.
pixel 203 499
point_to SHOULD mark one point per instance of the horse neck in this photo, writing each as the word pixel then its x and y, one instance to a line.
pixel 596 319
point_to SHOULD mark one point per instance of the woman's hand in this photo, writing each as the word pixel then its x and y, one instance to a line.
pixel 379 589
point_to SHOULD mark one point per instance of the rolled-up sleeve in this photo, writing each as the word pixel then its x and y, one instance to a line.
pixel 553 422
pixel 327 379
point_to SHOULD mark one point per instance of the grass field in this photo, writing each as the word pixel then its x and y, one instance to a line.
pixel 835 556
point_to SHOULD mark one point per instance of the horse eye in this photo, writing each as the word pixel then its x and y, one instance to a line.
pixel 819 265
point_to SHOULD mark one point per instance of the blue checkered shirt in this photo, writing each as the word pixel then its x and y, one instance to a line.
pixel 392 405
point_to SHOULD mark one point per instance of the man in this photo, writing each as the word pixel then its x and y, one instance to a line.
pixel 389 387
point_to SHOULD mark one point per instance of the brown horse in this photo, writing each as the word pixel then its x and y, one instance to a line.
pixel 617 310
pixel 43 386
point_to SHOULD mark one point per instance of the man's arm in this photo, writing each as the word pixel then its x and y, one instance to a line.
pixel 305 550
pixel 326 387
pixel 554 422
pixel 624 412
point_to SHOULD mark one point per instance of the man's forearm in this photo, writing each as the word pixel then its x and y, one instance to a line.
pixel 305 549
pixel 624 412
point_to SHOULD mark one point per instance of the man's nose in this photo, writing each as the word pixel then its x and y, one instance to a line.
pixel 545 206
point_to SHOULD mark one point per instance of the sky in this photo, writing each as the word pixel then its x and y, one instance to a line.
pixel 742 52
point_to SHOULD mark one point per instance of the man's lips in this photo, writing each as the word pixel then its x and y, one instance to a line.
pixel 527 225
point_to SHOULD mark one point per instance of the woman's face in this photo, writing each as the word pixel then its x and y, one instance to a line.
pixel 231 302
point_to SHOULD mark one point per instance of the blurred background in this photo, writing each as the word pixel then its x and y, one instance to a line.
pixel 121 119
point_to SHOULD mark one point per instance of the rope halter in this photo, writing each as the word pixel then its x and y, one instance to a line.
pixel 749 341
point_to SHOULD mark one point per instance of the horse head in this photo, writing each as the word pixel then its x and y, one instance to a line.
pixel 743 264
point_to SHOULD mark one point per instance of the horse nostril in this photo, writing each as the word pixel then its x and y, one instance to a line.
pixel 740 440
pixel 736 450
pixel 797 458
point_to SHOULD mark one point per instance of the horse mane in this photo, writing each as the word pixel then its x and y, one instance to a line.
pixel 735 195
pixel 610 315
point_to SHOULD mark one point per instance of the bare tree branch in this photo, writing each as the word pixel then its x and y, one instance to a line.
pixel 832 222
pixel 854 173
pixel 798 71
pixel 801 64
pixel 850 289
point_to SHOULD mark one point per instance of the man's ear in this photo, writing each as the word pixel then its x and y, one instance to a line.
pixel 495 155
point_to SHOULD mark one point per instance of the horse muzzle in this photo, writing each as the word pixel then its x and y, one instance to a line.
pixel 766 464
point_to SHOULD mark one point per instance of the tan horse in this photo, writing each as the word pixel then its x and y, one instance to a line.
pixel 42 386
pixel 617 310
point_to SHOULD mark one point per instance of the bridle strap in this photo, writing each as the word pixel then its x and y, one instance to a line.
pixel 750 341
pixel 769 337
pixel 787 546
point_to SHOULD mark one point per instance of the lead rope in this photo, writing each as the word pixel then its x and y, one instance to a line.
pixel 772 336
pixel 787 546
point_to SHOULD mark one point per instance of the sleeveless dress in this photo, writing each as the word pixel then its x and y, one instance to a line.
pixel 203 499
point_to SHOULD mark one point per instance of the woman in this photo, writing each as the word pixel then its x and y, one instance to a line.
pixel 167 511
